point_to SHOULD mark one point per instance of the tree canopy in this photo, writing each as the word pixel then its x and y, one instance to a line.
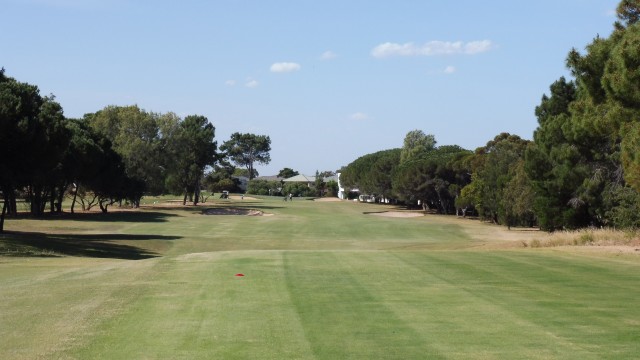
pixel 246 150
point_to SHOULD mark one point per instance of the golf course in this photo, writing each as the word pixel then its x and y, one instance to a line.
pixel 261 278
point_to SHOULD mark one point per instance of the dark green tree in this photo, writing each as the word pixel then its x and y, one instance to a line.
pixel 246 150
pixel 192 149
pixel 372 173
pixel 139 137
pixel 287 173
pixel 427 180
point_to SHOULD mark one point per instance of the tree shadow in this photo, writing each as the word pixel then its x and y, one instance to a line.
pixel 142 216
pixel 33 244
pixel 236 205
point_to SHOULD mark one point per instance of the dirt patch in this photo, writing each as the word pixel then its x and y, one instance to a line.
pixel 233 211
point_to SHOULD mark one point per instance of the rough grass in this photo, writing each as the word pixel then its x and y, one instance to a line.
pixel 586 237
pixel 323 280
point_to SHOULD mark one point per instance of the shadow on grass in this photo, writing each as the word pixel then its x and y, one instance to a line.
pixel 236 205
pixel 33 244
pixel 142 216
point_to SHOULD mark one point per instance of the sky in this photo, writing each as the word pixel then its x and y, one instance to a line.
pixel 328 81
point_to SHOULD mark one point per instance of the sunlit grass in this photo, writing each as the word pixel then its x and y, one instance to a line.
pixel 322 281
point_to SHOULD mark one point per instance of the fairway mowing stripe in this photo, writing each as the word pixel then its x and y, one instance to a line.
pixel 341 318
pixel 521 307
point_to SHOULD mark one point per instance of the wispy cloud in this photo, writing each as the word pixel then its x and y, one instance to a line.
pixel 359 116
pixel 328 55
pixel 251 83
pixel 449 69
pixel 284 67
pixel 230 83
pixel 432 48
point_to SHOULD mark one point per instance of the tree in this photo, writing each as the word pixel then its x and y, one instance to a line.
pixel 585 151
pixel 139 137
pixel 248 149
pixel 192 149
pixel 319 184
pixel 372 173
pixel 33 140
pixel 416 143
pixel 427 180
pixel 221 178
pixel 287 173
pixel 494 171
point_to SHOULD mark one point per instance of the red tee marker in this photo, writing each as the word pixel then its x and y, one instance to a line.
pixel 239 274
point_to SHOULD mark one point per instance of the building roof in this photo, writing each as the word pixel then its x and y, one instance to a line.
pixel 269 178
pixel 301 178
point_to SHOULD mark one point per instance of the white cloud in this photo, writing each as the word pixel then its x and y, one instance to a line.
pixel 359 116
pixel 251 83
pixel 432 48
pixel 230 83
pixel 449 69
pixel 328 55
pixel 611 13
pixel 283 67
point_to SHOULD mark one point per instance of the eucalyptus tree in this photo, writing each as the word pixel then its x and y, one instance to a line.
pixel 137 136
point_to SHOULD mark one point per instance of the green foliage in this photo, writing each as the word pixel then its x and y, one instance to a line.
pixel 428 179
pixel 141 139
pixel 287 173
pixel 416 143
pixel 332 188
pixel 248 149
pixel 623 204
pixel 631 155
pixel 372 173
pixel 586 148
pixel 264 187
pixel 298 189
pixel 496 191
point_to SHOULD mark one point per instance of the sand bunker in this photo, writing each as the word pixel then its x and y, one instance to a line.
pixel 233 211
pixel 398 214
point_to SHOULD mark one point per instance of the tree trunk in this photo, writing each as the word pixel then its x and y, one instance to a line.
pixel 13 206
pixel 60 198
pixel 75 195
pixel 196 193
pixel 52 199
pixel 4 211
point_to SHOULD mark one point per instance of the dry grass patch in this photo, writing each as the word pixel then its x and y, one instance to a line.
pixel 605 238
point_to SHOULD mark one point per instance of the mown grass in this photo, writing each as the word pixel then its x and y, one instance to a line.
pixel 322 281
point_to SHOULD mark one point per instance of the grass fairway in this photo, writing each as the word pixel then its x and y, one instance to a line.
pixel 323 280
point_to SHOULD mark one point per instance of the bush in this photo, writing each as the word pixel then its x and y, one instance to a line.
pixel 298 189
pixel 263 187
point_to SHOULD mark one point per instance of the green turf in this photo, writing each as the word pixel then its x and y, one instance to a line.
pixel 322 281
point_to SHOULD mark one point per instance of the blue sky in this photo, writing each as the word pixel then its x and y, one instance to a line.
pixel 328 81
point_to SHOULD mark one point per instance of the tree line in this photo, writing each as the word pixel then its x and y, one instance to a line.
pixel 581 169
pixel 115 155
